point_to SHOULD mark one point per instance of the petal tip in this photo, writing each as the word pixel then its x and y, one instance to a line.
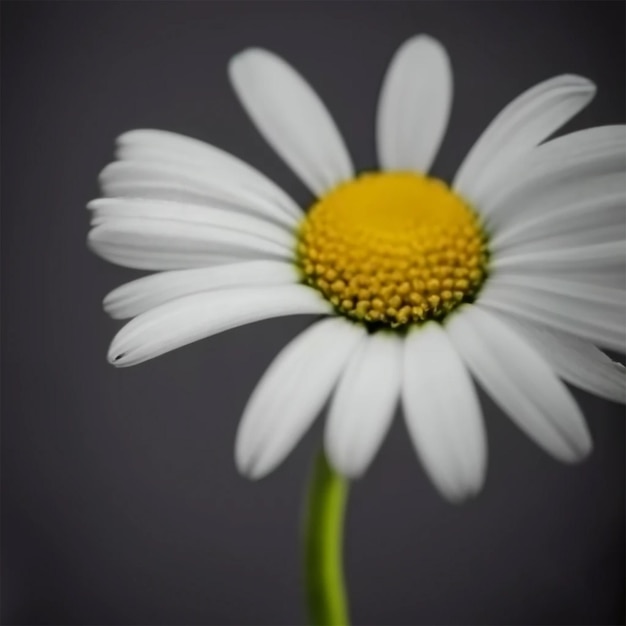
pixel 110 305
pixel 423 39
pixel 462 494
pixel 346 467
pixel 118 355
pixel 116 358
pixel 249 467
pixel 135 134
pixel 247 472
pixel 246 454
pixel 124 137
pixel 96 203
pixel 584 83
pixel 580 452
pixel 245 55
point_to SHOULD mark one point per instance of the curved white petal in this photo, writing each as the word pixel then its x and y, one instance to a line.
pixel 443 414
pixel 551 167
pixel 291 393
pixel 185 320
pixel 579 207
pixel 169 244
pixel 187 184
pixel 145 293
pixel 291 117
pixel 592 312
pixel 571 260
pixel 612 277
pixel 215 165
pixel 150 251
pixel 105 210
pixel 523 124
pixel 521 382
pixel 363 405
pixel 596 233
pixel 414 105
pixel 577 361
pixel 157 261
pixel 607 299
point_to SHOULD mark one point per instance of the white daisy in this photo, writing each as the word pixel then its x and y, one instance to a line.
pixel 512 275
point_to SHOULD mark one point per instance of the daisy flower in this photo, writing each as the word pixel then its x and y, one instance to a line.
pixel 512 275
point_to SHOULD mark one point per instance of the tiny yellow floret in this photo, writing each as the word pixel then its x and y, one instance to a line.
pixel 393 248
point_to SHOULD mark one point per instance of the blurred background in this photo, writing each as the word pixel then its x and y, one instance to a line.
pixel 120 499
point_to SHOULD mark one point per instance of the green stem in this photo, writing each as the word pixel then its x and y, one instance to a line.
pixel 323 525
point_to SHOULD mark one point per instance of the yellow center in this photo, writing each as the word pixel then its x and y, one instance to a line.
pixel 393 249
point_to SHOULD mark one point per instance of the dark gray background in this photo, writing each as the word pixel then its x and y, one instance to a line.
pixel 121 502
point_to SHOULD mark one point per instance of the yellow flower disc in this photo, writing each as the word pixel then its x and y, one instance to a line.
pixel 393 249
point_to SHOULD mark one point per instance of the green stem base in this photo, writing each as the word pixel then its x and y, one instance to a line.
pixel 323 529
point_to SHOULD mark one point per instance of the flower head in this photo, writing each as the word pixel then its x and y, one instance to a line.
pixel 511 275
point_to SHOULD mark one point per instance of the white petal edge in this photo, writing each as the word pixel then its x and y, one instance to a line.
pixel 442 413
pixel 596 300
pixel 582 205
pixel 291 394
pixel 583 258
pixel 146 293
pixel 567 311
pixel 521 382
pixel 597 232
pixel 105 210
pixel 551 167
pixel 576 361
pixel 364 404
pixel 125 257
pixel 147 145
pixel 292 118
pixel 164 181
pixel 185 320
pixel 612 277
pixel 523 124
pixel 159 244
pixel 414 105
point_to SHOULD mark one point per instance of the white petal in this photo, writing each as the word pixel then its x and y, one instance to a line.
pixel 291 393
pixel 148 292
pixel 577 361
pixel 548 250
pixel 183 183
pixel 215 165
pixel 107 209
pixel 521 382
pixel 553 166
pixel 177 243
pixel 185 320
pixel 292 118
pixel 151 251
pixel 443 414
pixel 596 233
pixel 580 207
pixel 592 312
pixel 583 258
pixel 612 277
pixel 611 299
pixel 414 105
pixel 527 121
pixel 363 405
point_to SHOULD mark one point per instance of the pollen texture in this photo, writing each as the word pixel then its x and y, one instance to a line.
pixel 393 249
